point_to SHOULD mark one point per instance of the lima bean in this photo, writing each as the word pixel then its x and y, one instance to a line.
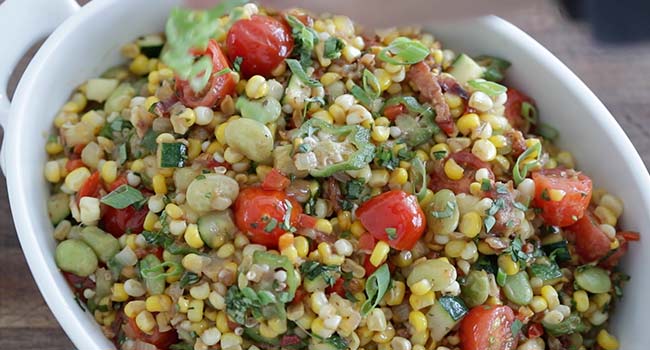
pixel 445 205
pixel 264 110
pixel 251 138
pixel 102 243
pixel 439 272
pixel 593 279
pixel 212 192
pixel 76 257
pixel 517 288
pixel 475 290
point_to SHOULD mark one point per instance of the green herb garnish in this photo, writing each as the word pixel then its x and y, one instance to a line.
pixel 371 84
pixel 333 47
pixel 299 71
pixel 405 51
pixel 173 155
pixel 450 207
pixel 391 232
pixel 122 197
pixel 311 270
pixel 376 286
pixel 489 88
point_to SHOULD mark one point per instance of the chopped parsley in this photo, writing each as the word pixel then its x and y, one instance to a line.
pixel 271 225
pixel 188 278
pixel 489 222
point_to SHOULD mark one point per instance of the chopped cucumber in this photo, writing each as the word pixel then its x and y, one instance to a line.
pixel 58 207
pixel 454 306
pixel 100 89
pixel 151 45
pixel 216 228
pixel 102 243
pixel 76 257
pixel 464 69
pixel 440 321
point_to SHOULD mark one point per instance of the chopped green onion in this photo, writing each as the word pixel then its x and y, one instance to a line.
pixel 305 39
pixel 297 69
pixel 408 51
pixel 121 154
pixel 361 95
pixel 173 155
pixel 529 112
pixel 333 47
pixel 122 197
pixel 271 225
pixel 236 63
pixel 490 88
pixel 371 84
pixel 420 170
pixel 518 173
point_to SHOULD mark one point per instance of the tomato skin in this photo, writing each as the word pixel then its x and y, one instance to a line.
pixel 118 221
pixel 275 180
pixel 590 241
pixel 254 208
pixel 73 164
pixel 487 328
pixel 162 340
pixel 513 107
pixel 262 42
pixel 393 111
pixel 366 243
pixel 218 87
pixel 574 204
pixel 90 187
pixel 397 210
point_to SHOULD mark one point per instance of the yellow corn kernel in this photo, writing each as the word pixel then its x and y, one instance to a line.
pixel 499 141
pixel 119 294
pixel 344 219
pixel 428 197
pixel 192 236
pixel 286 241
pixel 139 65
pixel 174 211
pixel 174 273
pixel 329 78
pixel 492 300
pixel 53 171
pixel 453 170
pixel 378 178
pixel 550 294
pixel 454 101
pixel 556 195
pixel 195 311
pixel 357 228
pixel 418 321
pixel 323 225
pixel 503 162
pixel 109 171
pixel 380 253
pixel 302 246
pixel 137 166
pixel 220 133
pixel 538 304
pixel 606 340
pixel 467 123
pixel 484 150
pixel 384 78
pixel 76 178
pixel 159 303
pixel 605 215
pixel 278 325
pixel 380 133
pixel 418 302
pixel 421 287
pixel 323 115
pixel 150 221
pixel 133 308
pixel 470 224
pixel 485 248
pixel 145 321
pixel 193 148
pixel 509 266
pixel 454 248
pixel 338 113
pixel 614 244
pixel 318 328
pixel 395 295
pixel 565 159
pixel 256 87
pixel 222 322
pixel 399 176
pixel 150 101
pixel 266 331
pixel 290 252
pixel 130 241
pixel 602 299
pixel 53 148
pixel 159 184
pixel 582 300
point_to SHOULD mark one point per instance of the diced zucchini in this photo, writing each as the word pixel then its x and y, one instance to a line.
pixel 464 69
pixel 439 321
pixel 150 45
pixel 99 89
pixel 102 243
pixel 58 207
pixel 216 228
pixel 559 250
pixel 454 306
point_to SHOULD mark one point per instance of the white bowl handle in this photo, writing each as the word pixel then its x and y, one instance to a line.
pixel 23 23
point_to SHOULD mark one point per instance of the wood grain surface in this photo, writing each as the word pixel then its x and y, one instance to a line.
pixel 617 74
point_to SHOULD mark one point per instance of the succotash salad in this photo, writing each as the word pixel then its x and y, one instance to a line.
pixel 254 179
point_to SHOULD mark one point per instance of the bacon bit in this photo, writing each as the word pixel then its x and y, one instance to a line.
pixel 427 82
pixel 289 340
pixel 163 107
pixel 332 192
pixel 449 84
pixel 506 219
pixel 517 142
pixel 392 112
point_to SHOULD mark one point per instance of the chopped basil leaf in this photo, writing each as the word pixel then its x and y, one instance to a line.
pixel 337 342
pixel 122 197
pixel 545 195
pixel 502 189
pixel 391 232
pixel 520 206
pixel 305 39
pixel 376 287
pixel 149 141
pixel 333 47
pixel 546 272
pixel 489 222
pixel 439 155
pixel 404 51
pixel 447 212
pixel 173 155
pixel 271 225
pixel 298 70
pixel 412 104
pixel 311 270
pixel 489 88
pixel 188 278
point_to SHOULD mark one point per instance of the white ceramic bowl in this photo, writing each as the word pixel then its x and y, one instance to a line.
pixel 88 42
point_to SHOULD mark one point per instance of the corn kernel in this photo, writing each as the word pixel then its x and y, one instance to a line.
pixel 538 304
pixel 605 215
pixel 470 224
pixel 509 266
pixel 395 295
pixel 380 133
pixel 109 171
pixel 139 65
pixel 484 150
pixel 453 170
pixel 119 294
pixel 550 294
pixel 174 211
pixel 454 101
pixel 602 299
pixel 133 308
pixel 323 225
pixel 357 228
pixel 192 236
pixel 159 184
pixel 454 248
pixel 220 133
pixel 556 195
pixel 421 287
pixel 329 78
pixel 195 311
pixel 582 300
pixel 419 302
pixel 145 321
pixel 53 148
pixel 257 87
pixel 606 340
pixel 418 321
pixel 467 123
pixel 380 253
pixel 150 221
pixel 53 171
pixel 399 176
pixel 222 322
pixel 158 303
pixel 76 178
pixel 323 115
pixel 439 151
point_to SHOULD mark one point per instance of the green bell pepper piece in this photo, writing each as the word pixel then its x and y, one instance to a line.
pixel 357 136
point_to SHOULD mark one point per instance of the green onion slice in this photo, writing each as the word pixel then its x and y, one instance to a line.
pixel 519 173
pixel 490 88
pixel 371 84
pixel 296 68
pixel 376 287
pixel 405 51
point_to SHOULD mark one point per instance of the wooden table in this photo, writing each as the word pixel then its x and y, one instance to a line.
pixel 618 75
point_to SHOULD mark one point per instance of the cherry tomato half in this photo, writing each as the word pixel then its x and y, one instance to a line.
pixel 275 180
pixel 577 189
pixel 392 112
pixel 219 85
pixel 161 340
pixel 591 242
pixel 487 328
pixel 118 221
pixel 262 42
pixel 395 217
pixel 90 187
pixel 261 214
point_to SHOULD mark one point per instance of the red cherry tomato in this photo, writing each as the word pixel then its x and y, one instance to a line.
pixel 117 183
pixel 338 288
pixel 120 221
pixel 366 243
pixel 162 340
pixel 275 180
pixel 262 42
pixel 90 187
pixel 368 266
pixel 591 242
pixel 487 328
pixel 513 107
pixel 467 161
pixel 535 330
pixel 261 213
pixel 572 207
pixel 219 85
pixel 393 111
pixel 395 217
pixel 73 164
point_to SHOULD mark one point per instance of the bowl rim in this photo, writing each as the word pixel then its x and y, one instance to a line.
pixel 59 301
